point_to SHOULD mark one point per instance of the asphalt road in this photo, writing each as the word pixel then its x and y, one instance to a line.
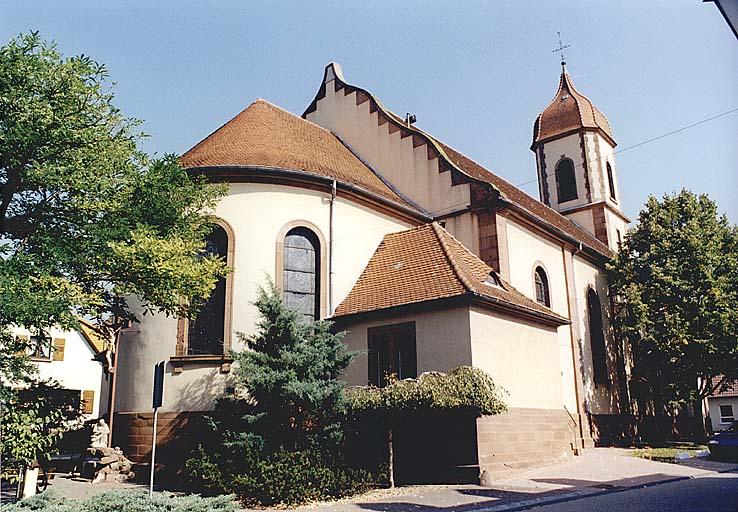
pixel 718 493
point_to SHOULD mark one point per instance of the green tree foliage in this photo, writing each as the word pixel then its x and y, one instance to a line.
pixel 34 419
pixel 464 389
pixel 675 281
pixel 87 220
pixel 85 217
pixel 291 371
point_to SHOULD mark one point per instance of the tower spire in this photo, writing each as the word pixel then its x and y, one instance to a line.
pixel 561 49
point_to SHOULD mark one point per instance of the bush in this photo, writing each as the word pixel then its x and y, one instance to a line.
pixel 123 501
pixel 281 477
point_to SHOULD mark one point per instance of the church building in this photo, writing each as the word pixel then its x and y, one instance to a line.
pixel 428 260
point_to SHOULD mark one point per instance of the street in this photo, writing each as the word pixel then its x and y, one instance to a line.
pixel 715 493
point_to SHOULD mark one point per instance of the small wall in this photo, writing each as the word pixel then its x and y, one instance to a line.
pixel 177 434
pixel 521 438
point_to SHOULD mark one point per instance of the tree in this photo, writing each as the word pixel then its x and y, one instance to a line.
pixel 291 371
pixel 87 220
pixel 675 284
pixel 464 389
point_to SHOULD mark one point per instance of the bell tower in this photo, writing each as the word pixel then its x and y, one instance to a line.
pixel 577 176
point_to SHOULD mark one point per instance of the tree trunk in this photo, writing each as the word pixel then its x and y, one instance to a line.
pixel 700 434
pixel 391 458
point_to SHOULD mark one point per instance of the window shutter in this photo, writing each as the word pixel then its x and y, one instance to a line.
pixel 58 349
pixel 88 401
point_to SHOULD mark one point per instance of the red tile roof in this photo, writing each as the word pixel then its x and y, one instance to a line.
pixel 427 263
pixel 266 136
pixel 730 388
pixel 569 110
pixel 534 207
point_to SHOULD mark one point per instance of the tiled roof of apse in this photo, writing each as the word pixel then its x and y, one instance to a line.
pixel 266 136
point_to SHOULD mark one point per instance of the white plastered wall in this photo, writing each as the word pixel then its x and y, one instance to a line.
pixel 598 398
pixel 407 168
pixel 256 213
pixel 527 251
pixel 553 152
pixel 520 356
pixel 714 404
pixel 441 340
pixel 78 370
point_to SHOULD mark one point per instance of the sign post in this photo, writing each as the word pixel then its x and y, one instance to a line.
pixel 156 403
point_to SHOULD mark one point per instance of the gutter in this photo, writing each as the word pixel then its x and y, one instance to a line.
pixel 220 171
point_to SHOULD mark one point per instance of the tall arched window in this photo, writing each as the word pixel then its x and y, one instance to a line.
pixel 206 332
pixel 566 180
pixel 597 338
pixel 541 284
pixel 301 272
pixel 611 182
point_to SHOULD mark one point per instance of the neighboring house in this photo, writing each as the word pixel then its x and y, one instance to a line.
pixel 76 360
pixel 428 259
pixel 723 405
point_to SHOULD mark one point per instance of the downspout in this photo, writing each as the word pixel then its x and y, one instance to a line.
pixel 113 382
pixel 330 249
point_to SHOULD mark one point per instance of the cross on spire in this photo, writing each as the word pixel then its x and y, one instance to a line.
pixel 561 49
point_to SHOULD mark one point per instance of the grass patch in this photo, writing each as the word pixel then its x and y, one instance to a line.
pixel 667 454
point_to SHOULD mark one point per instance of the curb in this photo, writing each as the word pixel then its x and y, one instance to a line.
pixel 577 495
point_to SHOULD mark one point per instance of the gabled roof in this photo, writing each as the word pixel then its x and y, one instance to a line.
pixel 427 264
pixel 569 111
pixel 264 136
pixel 535 210
pixel 97 342
pixel 728 389
pixel 533 207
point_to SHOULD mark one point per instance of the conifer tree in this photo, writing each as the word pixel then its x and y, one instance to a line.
pixel 291 372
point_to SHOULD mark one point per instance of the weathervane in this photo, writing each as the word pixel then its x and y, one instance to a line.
pixel 561 49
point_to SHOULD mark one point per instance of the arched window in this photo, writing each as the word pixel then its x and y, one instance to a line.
pixel 301 272
pixel 206 332
pixel 611 182
pixel 597 338
pixel 566 180
pixel 541 284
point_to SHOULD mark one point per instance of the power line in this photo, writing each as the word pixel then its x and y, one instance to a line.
pixel 654 138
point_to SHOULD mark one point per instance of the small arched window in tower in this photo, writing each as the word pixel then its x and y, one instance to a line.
pixel 611 182
pixel 301 272
pixel 566 180
pixel 206 332
pixel 541 283
pixel 597 338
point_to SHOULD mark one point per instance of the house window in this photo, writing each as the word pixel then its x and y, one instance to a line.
pixel 40 347
pixel 620 238
pixel 206 332
pixel 301 272
pixel 392 351
pixel 597 338
pixel 726 414
pixel 566 180
pixel 611 182
pixel 541 284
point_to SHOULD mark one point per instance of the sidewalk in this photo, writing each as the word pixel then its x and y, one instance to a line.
pixel 598 471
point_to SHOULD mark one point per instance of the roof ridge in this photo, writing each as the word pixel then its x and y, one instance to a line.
pixel 440 234
pixel 292 114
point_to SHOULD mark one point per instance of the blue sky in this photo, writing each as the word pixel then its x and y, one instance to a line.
pixel 476 74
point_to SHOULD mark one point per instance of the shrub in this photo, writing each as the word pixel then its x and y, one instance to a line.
pixel 123 501
pixel 281 477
